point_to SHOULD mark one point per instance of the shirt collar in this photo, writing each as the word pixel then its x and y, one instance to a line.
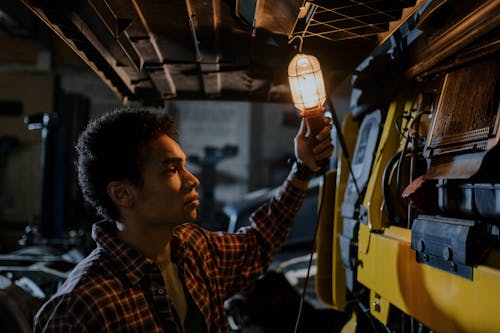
pixel 178 247
pixel 124 258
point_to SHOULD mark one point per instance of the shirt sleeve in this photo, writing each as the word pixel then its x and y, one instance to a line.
pixel 243 256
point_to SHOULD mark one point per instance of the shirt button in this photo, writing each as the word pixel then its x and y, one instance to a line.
pixel 161 291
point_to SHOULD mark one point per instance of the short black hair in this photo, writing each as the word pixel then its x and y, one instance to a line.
pixel 110 149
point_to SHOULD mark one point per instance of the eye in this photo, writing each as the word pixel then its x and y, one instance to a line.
pixel 171 170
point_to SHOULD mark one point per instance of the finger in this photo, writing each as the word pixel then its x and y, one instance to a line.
pixel 324 133
pixel 322 145
pixel 325 154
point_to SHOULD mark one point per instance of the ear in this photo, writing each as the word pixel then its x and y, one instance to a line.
pixel 121 193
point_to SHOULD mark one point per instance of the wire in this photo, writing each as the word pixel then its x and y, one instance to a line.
pixel 385 184
pixel 412 130
pixel 313 249
pixel 346 155
pixel 398 126
pixel 343 145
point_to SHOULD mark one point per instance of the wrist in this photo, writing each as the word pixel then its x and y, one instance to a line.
pixel 302 172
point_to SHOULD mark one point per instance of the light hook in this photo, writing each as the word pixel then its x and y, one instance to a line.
pixel 301 41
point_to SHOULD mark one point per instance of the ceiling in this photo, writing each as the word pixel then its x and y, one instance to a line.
pixel 153 50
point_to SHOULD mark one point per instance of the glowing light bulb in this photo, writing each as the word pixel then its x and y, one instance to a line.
pixel 306 82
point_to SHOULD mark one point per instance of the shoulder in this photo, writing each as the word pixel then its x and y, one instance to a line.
pixel 82 302
pixel 95 291
pixel 91 284
pixel 91 275
pixel 190 232
pixel 67 312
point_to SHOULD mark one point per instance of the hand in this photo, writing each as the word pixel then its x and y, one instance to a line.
pixel 309 151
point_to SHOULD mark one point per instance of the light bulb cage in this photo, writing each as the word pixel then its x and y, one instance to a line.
pixel 306 82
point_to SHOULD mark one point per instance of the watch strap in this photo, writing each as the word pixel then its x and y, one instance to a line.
pixel 301 171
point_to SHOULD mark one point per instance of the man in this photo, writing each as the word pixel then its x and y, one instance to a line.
pixel 153 269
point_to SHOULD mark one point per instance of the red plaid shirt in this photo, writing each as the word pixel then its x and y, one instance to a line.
pixel 117 289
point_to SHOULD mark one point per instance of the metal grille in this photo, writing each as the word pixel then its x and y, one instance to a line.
pixel 350 19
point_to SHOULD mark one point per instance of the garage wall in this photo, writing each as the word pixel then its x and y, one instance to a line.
pixel 255 128
pixel 84 82
pixel 216 124
pixel 272 143
pixel 20 180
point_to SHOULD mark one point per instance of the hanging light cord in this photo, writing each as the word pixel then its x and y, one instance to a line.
pixel 342 143
pixel 321 204
pixel 313 250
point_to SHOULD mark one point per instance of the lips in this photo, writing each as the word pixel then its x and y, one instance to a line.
pixel 192 201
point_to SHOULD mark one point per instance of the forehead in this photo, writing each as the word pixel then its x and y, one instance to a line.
pixel 163 149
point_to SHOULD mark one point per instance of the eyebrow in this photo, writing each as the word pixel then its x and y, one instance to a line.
pixel 171 160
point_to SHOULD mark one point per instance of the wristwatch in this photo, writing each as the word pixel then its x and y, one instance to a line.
pixel 301 171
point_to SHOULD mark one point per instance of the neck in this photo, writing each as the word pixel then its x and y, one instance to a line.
pixel 152 241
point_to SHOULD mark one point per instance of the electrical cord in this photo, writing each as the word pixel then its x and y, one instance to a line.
pixel 412 127
pixel 343 145
pixel 306 281
pixel 346 156
pixel 385 182
pixel 398 126
pixel 348 160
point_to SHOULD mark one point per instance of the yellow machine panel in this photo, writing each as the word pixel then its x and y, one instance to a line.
pixel 415 240
pixel 442 301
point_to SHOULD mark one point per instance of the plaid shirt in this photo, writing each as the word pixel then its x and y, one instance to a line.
pixel 117 289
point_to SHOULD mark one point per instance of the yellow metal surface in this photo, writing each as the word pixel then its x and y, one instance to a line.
pixel 379 307
pixel 389 143
pixel 441 301
pixel 350 130
pixel 324 249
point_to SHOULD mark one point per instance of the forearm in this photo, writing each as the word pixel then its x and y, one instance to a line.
pixel 275 219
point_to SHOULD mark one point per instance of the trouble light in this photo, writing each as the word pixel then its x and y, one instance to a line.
pixel 306 82
pixel 308 91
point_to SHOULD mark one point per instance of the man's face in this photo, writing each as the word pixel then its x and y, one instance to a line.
pixel 168 195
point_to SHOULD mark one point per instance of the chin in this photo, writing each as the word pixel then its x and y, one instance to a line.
pixel 192 217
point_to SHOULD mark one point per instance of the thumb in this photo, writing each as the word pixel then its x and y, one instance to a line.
pixel 302 129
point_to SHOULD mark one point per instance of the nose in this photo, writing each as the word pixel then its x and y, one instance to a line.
pixel 190 180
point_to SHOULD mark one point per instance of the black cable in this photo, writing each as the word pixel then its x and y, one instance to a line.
pixel 398 126
pixel 412 127
pixel 343 145
pixel 306 281
pixel 346 155
pixel 385 183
